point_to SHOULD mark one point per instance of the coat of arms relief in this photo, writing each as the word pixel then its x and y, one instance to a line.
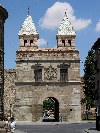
pixel 50 73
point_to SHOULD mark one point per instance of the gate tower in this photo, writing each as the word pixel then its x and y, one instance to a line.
pixel 47 73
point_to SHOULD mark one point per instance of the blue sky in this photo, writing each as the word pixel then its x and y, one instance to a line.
pixel 47 15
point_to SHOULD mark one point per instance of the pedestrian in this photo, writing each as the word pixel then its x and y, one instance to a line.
pixel 12 125
pixel 48 112
pixel 6 126
pixel 60 117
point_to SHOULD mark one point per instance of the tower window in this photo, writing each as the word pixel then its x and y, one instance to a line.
pixel 31 42
pixel 63 74
pixel 69 42
pixel 38 75
pixel 63 42
pixel 25 42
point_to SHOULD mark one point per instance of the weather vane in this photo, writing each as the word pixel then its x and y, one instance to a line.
pixel 66 12
pixel 28 10
pixel 47 44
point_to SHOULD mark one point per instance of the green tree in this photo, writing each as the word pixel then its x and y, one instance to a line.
pixel 89 79
pixel 49 103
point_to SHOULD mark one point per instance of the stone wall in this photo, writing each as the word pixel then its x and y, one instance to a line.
pixel 9 91
pixel 28 97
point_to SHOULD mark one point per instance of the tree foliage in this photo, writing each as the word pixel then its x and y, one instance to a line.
pixel 48 103
pixel 89 79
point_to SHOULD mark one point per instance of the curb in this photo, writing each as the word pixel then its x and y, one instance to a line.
pixel 91 131
pixel 49 123
pixel 18 131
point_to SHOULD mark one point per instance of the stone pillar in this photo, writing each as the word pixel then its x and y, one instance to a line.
pixel 3 17
pixel 73 43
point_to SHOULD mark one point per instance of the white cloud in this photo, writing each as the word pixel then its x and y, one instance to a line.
pixel 55 14
pixel 98 26
pixel 79 24
pixel 42 42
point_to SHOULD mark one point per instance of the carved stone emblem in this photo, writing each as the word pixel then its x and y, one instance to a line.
pixel 50 73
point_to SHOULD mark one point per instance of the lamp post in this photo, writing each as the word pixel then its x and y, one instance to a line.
pixel 86 110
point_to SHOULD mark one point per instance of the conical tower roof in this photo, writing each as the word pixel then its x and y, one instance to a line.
pixel 66 27
pixel 28 27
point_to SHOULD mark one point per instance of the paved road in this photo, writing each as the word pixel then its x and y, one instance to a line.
pixel 55 127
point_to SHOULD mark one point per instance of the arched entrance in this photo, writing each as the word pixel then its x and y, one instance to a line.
pixel 50 109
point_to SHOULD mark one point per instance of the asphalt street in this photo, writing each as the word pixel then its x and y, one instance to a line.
pixel 55 127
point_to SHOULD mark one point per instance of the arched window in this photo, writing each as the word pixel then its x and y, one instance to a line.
pixel 31 42
pixel 63 42
pixel 69 42
pixel 25 42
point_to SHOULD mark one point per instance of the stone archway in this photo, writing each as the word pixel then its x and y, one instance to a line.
pixel 51 109
pixel 56 97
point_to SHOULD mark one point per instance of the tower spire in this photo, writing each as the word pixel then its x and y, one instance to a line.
pixel 28 34
pixel 66 27
pixel 28 27
pixel 66 34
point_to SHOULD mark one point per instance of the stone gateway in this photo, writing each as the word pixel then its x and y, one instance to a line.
pixel 43 73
